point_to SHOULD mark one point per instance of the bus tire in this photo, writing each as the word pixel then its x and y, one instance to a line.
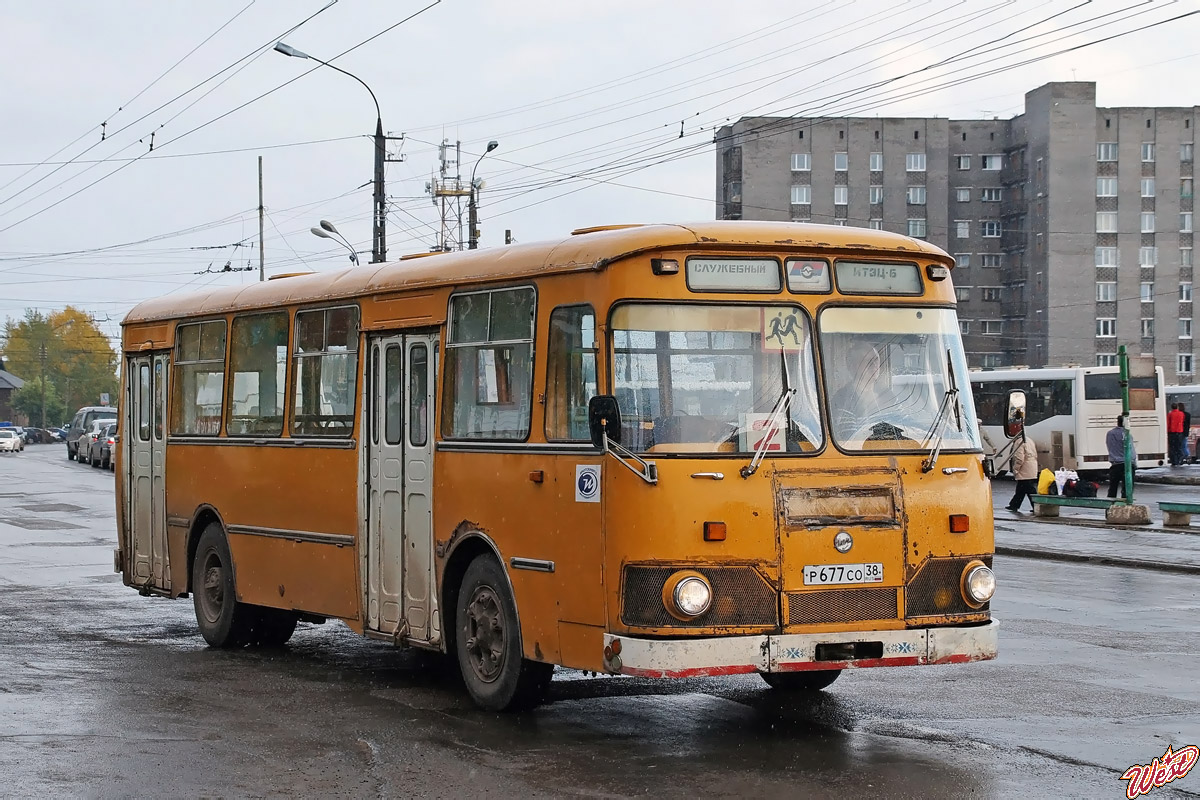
pixel 223 621
pixel 805 681
pixel 272 627
pixel 488 644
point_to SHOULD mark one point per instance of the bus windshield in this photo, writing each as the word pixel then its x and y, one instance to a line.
pixel 705 378
pixel 886 373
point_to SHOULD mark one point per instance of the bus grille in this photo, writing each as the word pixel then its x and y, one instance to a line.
pixel 841 605
pixel 741 596
pixel 936 589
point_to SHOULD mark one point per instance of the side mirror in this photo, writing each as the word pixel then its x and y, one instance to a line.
pixel 1014 417
pixel 989 467
pixel 604 416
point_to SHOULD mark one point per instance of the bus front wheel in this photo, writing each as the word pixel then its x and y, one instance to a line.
pixel 806 681
pixel 488 643
pixel 224 622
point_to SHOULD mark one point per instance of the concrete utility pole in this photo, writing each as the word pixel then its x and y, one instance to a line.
pixel 43 354
pixel 473 216
pixel 262 269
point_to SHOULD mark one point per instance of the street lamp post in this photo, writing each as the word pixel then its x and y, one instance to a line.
pixel 327 231
pixel 473 205
pixel 379 223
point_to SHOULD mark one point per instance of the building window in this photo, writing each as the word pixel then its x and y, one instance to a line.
pixel 1147 151
pixel 801 162
pixel 1106 359
pixel 841 195
pixel 991 195
pixel 1147 187
pixel 841 162
pixel 875 194
pixel 1147 293
pixel 1183 363
pixel 1185 151
pixel 916 228
pixel 990 228
pixel 488 383
pixel 1106 327
pixel 1185 187
pixel 1185 328
pixel 840 222
pixel 962 194
pixel 1148 221
pixel 1106 292
pixel 1106 151
pixel 1106 256
pixel 1185 291
pixel 964 162
pixel 991 259
pixel 992 327
pixel 991 294
pixel 801 195
pixel 326 371
pixel 1185 222
pixel 1106 222
pixel 1147 256
pixel 1106 187
pixel 962 228
pixel 992 360
pixel 916 195
pixel 199 384
pixel 1185 256
pixel 992 163
pixel 1147 328
pixel 875 224
pixel 570 372
pixel 964 327
pixel 962 260
pixel 875 162
pixel 258 359
pixel 963 294
pixel 914 162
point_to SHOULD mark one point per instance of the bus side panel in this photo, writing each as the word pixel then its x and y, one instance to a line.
pixel 279 489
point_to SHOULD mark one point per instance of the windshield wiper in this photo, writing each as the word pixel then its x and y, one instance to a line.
pixel 778 413
pixel 949 405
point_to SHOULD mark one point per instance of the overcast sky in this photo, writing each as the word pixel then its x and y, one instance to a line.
pixel 587 100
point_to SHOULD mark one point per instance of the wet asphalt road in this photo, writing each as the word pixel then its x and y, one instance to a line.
pixel 105 693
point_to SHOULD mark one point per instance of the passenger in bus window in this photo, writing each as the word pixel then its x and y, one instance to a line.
pixel 859 399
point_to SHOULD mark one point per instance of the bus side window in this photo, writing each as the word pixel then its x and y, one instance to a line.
pixel 570 372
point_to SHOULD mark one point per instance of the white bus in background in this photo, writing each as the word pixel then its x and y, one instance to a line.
pixel 1190 397
pixel 1070 410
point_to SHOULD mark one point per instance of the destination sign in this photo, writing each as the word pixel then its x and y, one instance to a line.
pixel 859 277
pixel 733 275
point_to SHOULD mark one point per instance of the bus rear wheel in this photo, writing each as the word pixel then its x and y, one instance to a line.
pixel 223 621
pixel 488 644
pixel 806 681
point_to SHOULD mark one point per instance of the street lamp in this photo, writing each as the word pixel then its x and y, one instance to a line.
pixel 473 206
pixel 379 227
pixel 327 231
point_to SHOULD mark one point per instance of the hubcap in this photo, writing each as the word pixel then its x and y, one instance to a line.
pixel 485 634
pixel 212 596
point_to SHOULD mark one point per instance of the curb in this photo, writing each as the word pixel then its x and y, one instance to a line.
pixel 1051 555
pixel 1174 480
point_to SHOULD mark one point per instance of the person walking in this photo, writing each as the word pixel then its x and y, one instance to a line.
pixel 1025 470
pixel 1115 440
pixel 1175 435
pixel 1184 450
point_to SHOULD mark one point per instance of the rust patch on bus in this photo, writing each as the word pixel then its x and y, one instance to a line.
pixel 441 548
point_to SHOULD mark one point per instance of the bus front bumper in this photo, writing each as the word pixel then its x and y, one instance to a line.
pixel 735 655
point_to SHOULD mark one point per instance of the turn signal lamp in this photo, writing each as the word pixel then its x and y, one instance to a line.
pixel 960 523
pixel 714 531
pixel 664 266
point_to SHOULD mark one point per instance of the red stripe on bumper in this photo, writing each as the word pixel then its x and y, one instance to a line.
pixel 694 672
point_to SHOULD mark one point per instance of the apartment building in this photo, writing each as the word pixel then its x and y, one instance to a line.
pixel 1071 224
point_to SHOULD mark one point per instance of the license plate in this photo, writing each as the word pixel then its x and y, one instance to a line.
pixel 827 574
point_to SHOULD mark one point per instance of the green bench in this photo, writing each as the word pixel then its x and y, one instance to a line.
pixel 1047 505
pixel 1178 515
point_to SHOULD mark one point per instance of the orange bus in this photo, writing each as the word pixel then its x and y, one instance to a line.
pixel 657 450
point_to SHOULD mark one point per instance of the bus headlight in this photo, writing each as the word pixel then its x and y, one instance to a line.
pixel 687 595
pixel 978 584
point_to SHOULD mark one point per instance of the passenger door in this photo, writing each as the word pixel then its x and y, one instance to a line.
pixel 400 595
pixel 145 442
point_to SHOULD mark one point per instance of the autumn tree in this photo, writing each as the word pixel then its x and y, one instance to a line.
pixel 70 350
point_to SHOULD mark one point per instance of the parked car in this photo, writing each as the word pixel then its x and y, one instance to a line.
pixel 87 444
pixel 38 436
pixel 20 431
pixel 9 441
pixel 104 446
pixel 82 423
pixel 58 434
